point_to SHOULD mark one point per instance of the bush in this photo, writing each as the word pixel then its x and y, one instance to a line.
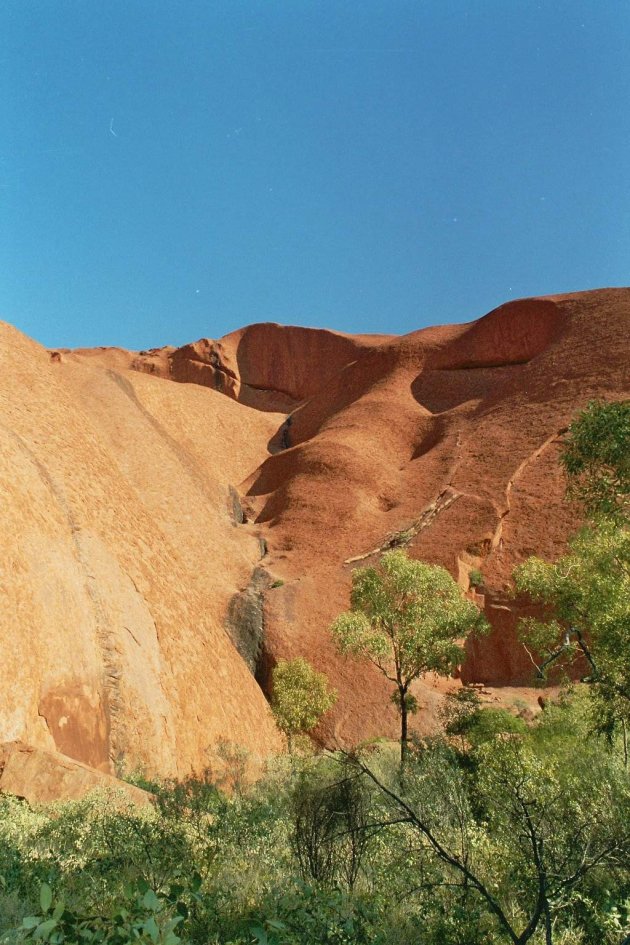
pixel 317 852
pixel 301 696
pixel 475 578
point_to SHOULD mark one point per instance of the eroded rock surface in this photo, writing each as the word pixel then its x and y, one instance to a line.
pixel 119 558
pixel 40 777
pixel 135 511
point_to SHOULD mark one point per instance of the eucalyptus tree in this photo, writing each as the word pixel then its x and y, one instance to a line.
pixel 586 593
pixel 408 618
pixel 596 459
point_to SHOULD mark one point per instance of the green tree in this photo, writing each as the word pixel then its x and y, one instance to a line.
pixel 408 618
pixel 596 459
pixel 587 592
pixel 301 696
pixel 464 716
pixel 535 831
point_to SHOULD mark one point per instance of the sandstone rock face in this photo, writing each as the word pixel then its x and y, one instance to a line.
pixel 41 776
pixel 448 438
pixel 165 543
pixel 267 366
pixel 119 558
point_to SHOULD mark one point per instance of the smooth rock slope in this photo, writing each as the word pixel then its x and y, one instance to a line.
pixel 119 557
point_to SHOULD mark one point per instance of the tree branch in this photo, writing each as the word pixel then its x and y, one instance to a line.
pixel 444 854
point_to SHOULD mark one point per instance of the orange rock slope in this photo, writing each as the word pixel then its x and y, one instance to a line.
pixel 165 543
pixel 119 558
pixel 40 776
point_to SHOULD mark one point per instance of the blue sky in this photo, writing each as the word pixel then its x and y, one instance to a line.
pixel 170 170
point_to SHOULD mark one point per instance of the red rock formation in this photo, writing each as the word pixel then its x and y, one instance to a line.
pixel 42 776
pixel 120 555
pixel 446 439
pixel 267 366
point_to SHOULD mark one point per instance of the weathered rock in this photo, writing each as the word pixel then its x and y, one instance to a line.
pixel 245 619
pixel 41 776
pixel 473 412
pixel 120 552
pixel 119 558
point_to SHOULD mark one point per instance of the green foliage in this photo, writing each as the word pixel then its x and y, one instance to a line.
pixel 596 458
pixel 408 618
pixel 459 710
pixel 529 831
pixel 406 615
pixel 589 592
pixel 309 914
pixel 301 696
pixel 141 916
pixel 545 818
pixel 464 716
pixel 475 578
pixel 330 811
pixel 317 852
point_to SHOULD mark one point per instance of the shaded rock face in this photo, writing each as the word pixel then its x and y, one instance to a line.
pixel 270 367
pixel 140 624
pixel 245 619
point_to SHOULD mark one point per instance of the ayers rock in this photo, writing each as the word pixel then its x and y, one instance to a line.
pixel 164 543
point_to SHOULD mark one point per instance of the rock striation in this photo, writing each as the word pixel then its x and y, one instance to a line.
pixel 165 543
pixel 119 557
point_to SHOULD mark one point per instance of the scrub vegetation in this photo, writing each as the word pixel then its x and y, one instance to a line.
pixel 500 832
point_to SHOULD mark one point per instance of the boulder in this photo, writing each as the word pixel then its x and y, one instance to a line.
pixel 40 777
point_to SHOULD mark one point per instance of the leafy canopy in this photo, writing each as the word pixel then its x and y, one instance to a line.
pixel 301 696
pixel 596 459
pixel 589 590
pixel 407 617
pixel 530 827
pixel 463 715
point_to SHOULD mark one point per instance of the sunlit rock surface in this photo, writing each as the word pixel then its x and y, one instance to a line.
pixel 165 543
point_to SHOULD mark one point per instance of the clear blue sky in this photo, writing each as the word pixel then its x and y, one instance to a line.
pixel 176 169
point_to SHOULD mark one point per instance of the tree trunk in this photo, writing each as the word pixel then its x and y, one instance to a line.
pixel 548 925
pixel 402 692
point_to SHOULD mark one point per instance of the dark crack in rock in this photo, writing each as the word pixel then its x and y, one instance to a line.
pixel 245 619
pixel 238 513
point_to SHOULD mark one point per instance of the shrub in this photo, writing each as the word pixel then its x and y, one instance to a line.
pixel 301 696
pixel 475 578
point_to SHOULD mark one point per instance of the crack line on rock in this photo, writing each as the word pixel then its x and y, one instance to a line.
pixel 404 536
pixel 518 472
pixel 112 672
